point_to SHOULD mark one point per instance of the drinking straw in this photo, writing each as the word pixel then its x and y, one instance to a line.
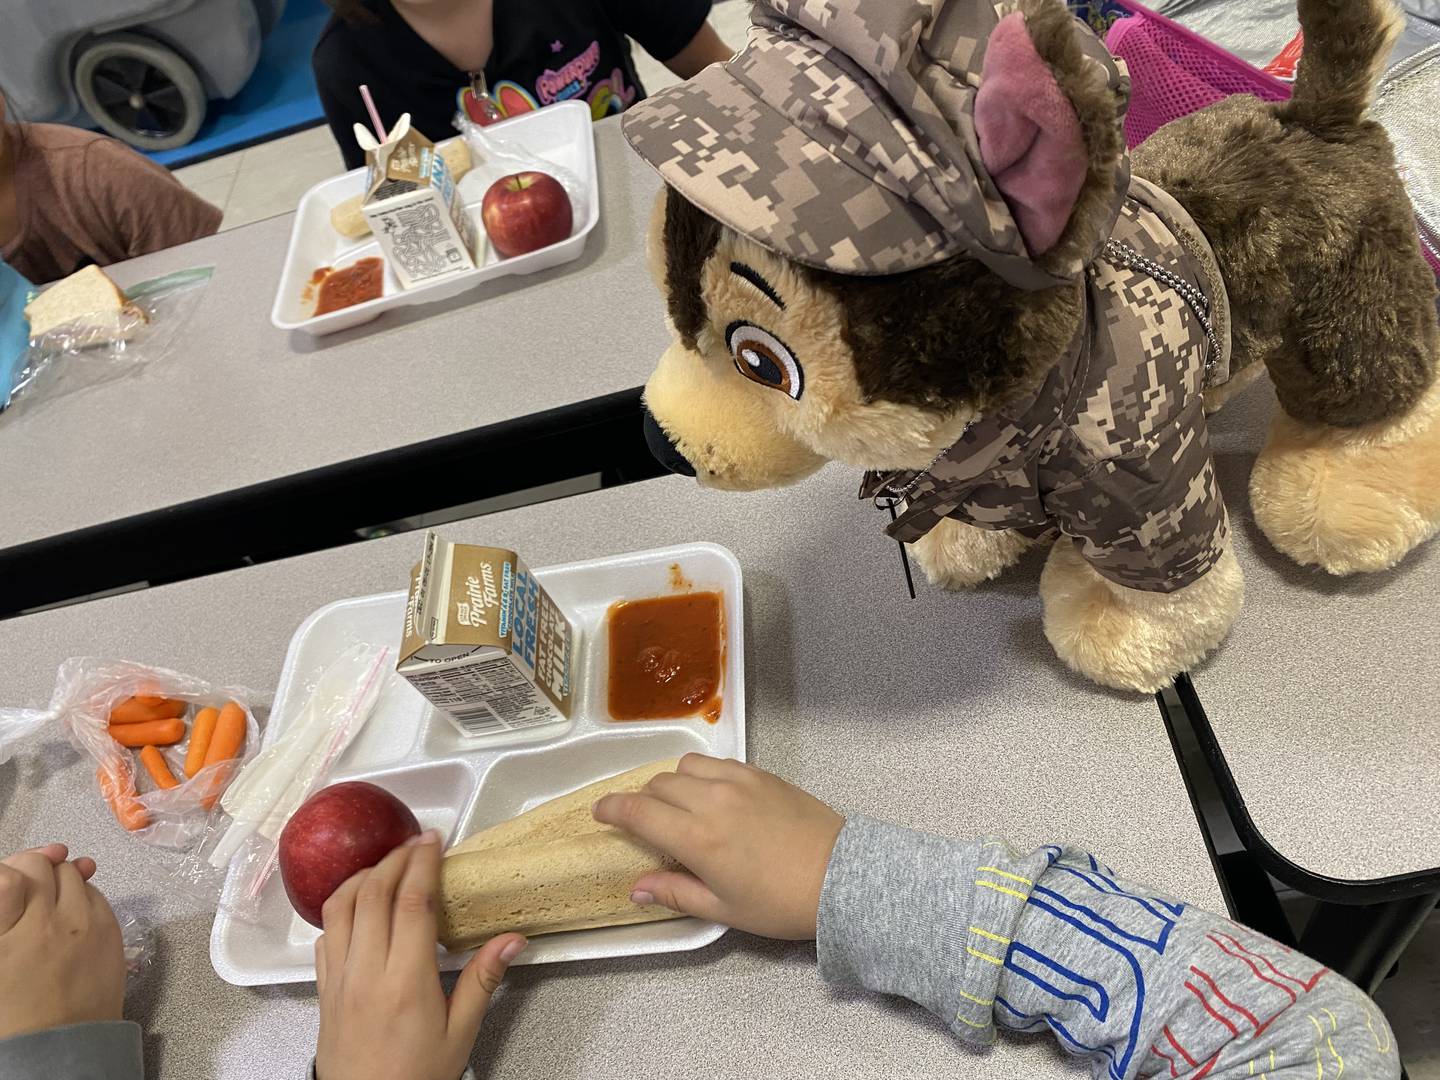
pixel 374 112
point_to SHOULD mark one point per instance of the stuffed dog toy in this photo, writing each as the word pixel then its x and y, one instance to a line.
pixel 905 235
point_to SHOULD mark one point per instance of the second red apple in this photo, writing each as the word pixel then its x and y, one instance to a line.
pixel 526 211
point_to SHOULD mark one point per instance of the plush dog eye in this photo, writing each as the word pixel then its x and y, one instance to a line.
pixel 763 358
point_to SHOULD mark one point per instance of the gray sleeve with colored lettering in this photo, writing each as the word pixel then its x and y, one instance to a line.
pixel 1139 983
pixel 108 1050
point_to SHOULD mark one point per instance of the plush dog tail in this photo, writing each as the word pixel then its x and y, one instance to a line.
pixel 1346 44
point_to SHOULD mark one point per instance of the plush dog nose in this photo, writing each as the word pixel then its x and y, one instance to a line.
pixel 663 449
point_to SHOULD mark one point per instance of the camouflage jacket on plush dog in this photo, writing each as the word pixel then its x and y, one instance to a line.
pixel 911 228
pixel 1111 449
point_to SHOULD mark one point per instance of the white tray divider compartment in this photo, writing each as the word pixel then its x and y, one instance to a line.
pixel 441 794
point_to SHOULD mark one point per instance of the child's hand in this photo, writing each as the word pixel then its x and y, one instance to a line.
pixel 61 961
pixel 382 1010
pixel 756 847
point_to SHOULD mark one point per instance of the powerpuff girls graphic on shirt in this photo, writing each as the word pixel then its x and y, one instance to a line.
pixel 567 80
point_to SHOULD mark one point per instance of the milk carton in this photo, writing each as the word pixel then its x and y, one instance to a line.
pixel 412 208
pixel 484 641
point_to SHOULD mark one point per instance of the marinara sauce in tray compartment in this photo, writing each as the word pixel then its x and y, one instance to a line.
pixel 461 785
pixel 667 655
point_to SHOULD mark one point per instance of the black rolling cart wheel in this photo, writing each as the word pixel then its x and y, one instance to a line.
pixel 140 91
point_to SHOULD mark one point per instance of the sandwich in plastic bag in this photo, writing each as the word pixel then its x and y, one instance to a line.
pixel 84 330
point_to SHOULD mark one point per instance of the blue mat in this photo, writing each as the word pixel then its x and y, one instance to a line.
pixel 279 98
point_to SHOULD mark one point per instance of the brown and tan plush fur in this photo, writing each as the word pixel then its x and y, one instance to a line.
pixel 1328 292
pixel 1313 231
pixel 1315 236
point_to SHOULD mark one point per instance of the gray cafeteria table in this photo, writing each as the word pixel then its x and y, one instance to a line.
pixel 1318 719
pixel 243 407
pixel 943 712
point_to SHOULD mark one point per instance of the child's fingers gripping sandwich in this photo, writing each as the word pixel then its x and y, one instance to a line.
pixel 563 818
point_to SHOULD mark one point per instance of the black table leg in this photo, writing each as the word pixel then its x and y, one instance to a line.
pixel 1364 941
pixel 1249 896
pixel 1358 928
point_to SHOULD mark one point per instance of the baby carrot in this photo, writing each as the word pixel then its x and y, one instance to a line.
pixel 140 710
pixel 117 784
pixel 155 765
pixel 229 734
pixel 227 741
pixel 149 733
pixel 200 733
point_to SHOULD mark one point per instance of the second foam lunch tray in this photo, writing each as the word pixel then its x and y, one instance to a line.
pixel 560 134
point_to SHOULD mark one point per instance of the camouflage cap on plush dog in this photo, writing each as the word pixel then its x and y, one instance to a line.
pixel 844 135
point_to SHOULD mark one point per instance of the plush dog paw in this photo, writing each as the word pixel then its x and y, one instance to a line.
pixel 1350 500
pixel 1217 397
pixel 1128 639
pixel 955 555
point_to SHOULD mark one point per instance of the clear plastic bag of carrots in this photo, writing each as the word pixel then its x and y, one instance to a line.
pixel 164 745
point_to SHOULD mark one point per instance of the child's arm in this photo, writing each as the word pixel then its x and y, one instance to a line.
pixel 136 206
pixel 1142 984
pixel 675 32
pixel 704 49
pixel 981 935
pixel 99 1050
pixel 62 973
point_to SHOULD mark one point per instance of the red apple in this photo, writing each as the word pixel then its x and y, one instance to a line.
pixel 337 832
pixel 525 212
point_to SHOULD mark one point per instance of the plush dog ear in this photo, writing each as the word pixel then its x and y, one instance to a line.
pixel 1049 121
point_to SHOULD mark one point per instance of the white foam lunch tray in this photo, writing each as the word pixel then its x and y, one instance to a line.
pixel 459 785
pixel 560 134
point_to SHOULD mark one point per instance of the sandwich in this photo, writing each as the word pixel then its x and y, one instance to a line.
pixel 90 307
pixel 551 869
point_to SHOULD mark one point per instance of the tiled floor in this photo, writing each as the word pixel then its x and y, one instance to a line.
pixel 266 180
pixel 1411 1001
pixel 269 179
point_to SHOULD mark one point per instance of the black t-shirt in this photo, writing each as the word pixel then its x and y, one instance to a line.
pixel 545 51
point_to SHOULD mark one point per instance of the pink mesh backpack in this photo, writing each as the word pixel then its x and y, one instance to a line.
pixel 1174 71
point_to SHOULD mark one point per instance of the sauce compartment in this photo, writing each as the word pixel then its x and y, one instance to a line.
pixel 667 657
pixel 645 575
